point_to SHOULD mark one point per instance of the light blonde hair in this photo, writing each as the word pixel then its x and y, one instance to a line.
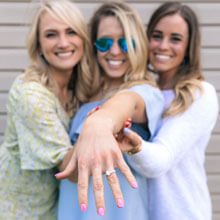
pixel 134 30
pixel 189 75
pixel 39 70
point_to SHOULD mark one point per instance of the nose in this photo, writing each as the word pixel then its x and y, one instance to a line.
pixel 164 44
pixel 115 49
pixel 63 41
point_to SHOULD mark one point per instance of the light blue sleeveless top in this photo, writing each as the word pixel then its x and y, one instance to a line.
pixel 135 199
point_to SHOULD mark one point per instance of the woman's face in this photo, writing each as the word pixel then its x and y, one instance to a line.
pixel 114 62
pixel 168 44
pixel 59 44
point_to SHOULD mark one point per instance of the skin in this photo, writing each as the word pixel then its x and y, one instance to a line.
pixel 113 62
pixel 61 47
pixel 168 45
pixel 108 155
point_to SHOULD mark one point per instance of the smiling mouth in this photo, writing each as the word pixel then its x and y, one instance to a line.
pixel 115 62
pixel 64 54
pixel 161 57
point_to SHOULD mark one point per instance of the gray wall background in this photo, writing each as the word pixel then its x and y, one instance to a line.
pixel 14 20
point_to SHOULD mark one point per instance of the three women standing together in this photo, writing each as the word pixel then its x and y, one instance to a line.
pixel 64 74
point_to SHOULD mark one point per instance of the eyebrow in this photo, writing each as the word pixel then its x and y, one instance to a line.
pixel 157 31
pixel 172 34
pixel 56 30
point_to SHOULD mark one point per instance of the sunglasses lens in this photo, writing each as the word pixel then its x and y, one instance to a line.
pixel 103 44
pixel 123 44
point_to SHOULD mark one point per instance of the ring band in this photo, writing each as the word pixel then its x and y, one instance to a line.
pixel 109 172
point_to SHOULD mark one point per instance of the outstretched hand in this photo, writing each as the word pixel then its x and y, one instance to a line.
pixel 97 152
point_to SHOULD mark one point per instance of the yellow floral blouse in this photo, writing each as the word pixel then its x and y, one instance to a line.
pixel 36 141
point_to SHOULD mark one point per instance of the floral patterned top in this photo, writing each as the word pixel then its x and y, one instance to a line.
pixel 36 141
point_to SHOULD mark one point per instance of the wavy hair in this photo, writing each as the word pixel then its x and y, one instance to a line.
pixel 189 75
pixel 39 70
pixel 133 29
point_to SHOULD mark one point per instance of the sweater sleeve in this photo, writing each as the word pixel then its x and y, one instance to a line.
pixel 154 103
pixel 177 136
pixel 43 138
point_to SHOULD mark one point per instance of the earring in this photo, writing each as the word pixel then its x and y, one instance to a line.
pixel 150 67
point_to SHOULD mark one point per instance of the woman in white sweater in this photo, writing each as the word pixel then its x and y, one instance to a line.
pixel 174 162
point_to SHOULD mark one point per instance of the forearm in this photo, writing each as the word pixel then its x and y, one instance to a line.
pixel 118 109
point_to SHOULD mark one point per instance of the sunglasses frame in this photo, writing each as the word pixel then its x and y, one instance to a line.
pixel 122 43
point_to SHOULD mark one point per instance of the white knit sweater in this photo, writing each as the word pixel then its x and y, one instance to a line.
pixel 174 161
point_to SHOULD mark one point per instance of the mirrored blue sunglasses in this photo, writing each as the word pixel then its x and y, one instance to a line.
pixel 104 44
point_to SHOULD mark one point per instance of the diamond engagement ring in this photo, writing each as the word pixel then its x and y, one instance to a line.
pixel 109 172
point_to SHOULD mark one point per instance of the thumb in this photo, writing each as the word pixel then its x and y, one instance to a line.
pixel 133 137
pixel 68 170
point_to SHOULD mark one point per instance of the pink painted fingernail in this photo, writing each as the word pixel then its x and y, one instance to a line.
pixel 101 211
pixel 83 207
pixel 134 185
pixel 120 203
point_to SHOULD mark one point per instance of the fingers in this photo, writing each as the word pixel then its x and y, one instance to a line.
pixel 125 170
pixel 83 182
pixel 98 189
pixel 133 137
pixel 127 123
pixel 115 187
pixel 70 168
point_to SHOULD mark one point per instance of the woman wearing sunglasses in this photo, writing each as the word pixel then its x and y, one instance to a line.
pixel 119 48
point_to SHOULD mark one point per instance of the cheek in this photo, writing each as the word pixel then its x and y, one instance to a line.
pixel 100 58
pixel 181 51
pixel 153 44
pixel 45 46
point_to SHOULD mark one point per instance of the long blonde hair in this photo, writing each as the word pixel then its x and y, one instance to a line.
pixel 189 75
pixel 134 30
pixel 39 70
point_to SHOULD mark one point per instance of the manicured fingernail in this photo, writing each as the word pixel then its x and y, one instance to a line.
pixel 126 130
pixel 83 207
pixel 127 124
pixel 134 185
pixel 120 203
pixel 97 108
pixel 101 211
pixel 129 119
pixel 57 175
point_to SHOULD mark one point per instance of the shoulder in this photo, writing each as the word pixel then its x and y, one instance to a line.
pixel 149 91
pixel 208 88
pixel 208 93
pixel 205 102
pixel 22 86
pixel 30 94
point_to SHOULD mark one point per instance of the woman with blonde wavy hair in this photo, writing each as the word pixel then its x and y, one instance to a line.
pixel 120 44
pixel 40 104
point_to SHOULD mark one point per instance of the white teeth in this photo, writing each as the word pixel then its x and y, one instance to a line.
pixel 115 62
pixel 163 57
pixel 64 54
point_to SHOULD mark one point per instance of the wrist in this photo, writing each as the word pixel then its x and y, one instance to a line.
pixel 100 120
